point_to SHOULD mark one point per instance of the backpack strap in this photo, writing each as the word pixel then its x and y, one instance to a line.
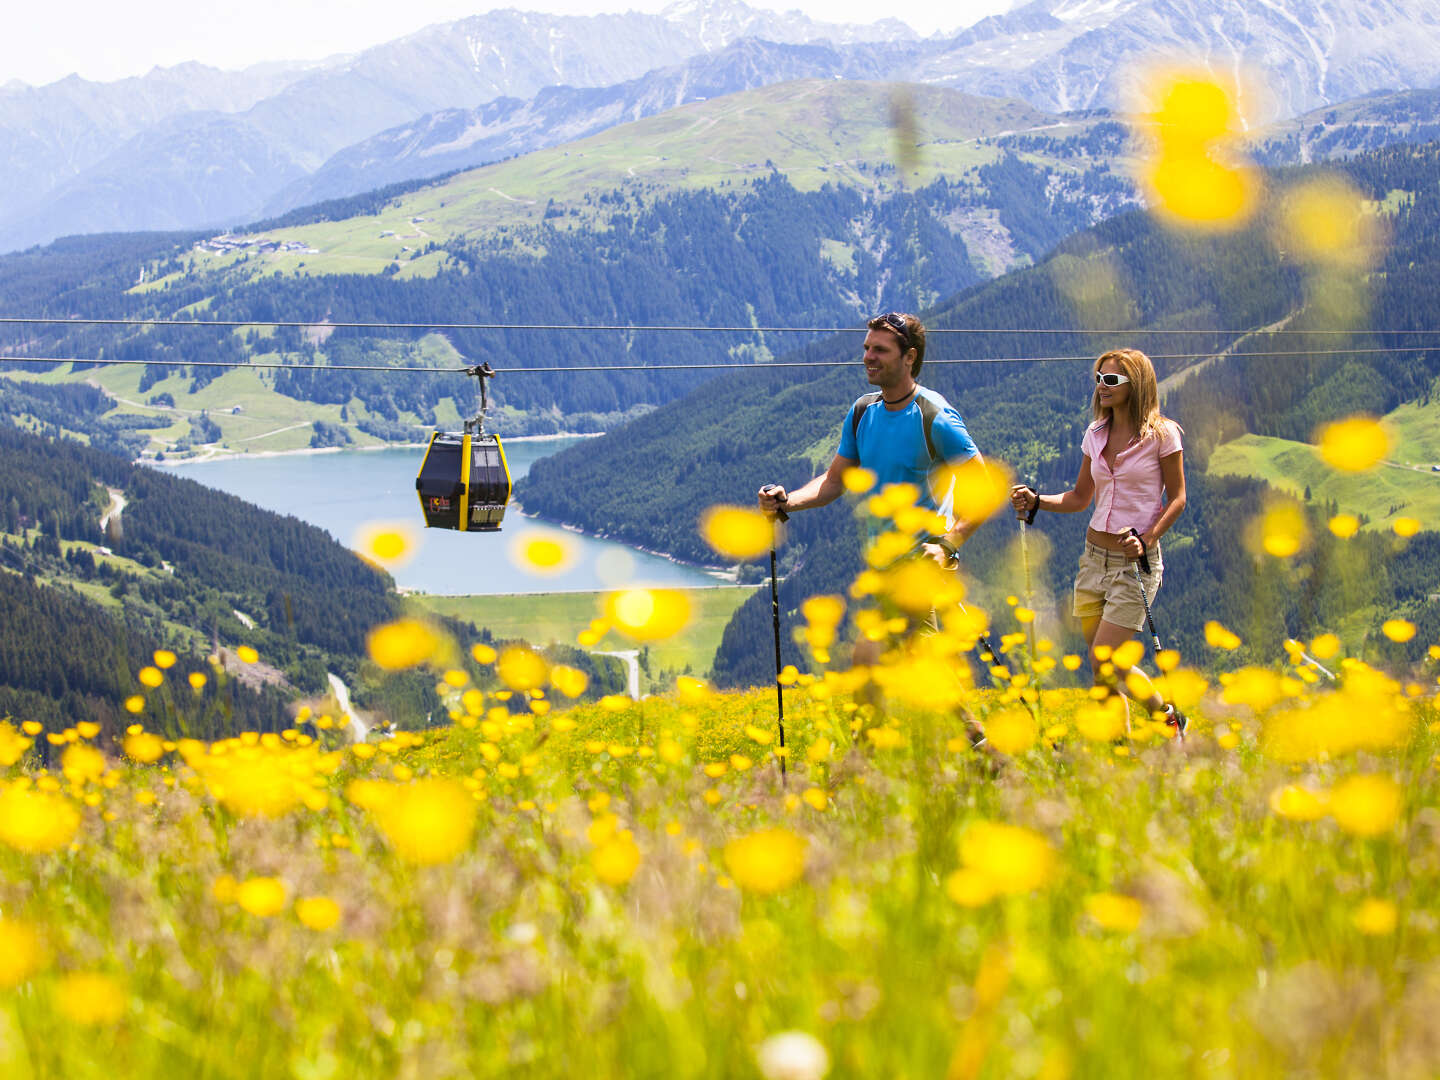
pixel 928 411
pixel 858 410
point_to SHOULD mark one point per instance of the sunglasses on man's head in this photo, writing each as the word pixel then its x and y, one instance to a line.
pixel 1110 378
pixel 896 322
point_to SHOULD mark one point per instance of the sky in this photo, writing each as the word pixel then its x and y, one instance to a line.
pixel 104 39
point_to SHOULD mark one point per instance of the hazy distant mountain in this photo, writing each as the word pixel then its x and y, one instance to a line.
pixel 502 83
pixel 451 139
pixel 1300 54
pixel 57 139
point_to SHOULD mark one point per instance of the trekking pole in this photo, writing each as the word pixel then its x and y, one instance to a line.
pixel 1144 596
pixel 775 619
pixel 1026 520
pixel 1150 620
pixel 1299 650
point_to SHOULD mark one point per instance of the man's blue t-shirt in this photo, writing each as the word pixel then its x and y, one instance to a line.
pixel 892 444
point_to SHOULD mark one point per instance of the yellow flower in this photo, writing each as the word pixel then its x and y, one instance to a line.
pixel 542 551
pixel 405 643
pixel 521 669
pixel 1366 805
pixel 1406 526
pixel 1344 525
pixel 90 998
pixel 1218 637
pixel 1398 629
pixel 1283 530
pixel 1355 444
pixel 648 614
pixel 737 532
pixel 318 913
pixel 1375 917
pixel 858 480
pixel 21 953
pixel 816 798
pixel 1325 646
pixel 569 681
pixel 36 821
pixel 616 859
pixel 12 744
pixel 261 896
pixel 1013 859
pixel 1012 731
pixel 483 653
pixel 1102 721
pixel 1298 803
pixel 82 764
pixel 980 488
pixel 247 654
pixel 766 861
pixel 164 659
pixel 151 677
pixel 427 822
pixel 1115 912
pixel 386 543
pixel 197 680
pixel 969 888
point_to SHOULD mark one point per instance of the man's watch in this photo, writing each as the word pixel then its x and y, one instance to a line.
pixel 952 553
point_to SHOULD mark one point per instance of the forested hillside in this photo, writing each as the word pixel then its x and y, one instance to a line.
pixel 719 444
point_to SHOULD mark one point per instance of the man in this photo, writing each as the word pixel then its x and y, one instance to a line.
pixel 892 436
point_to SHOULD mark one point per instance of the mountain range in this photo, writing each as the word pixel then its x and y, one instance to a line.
pixel 191 147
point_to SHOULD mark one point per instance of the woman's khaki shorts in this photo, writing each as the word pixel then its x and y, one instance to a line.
pixel 1105 586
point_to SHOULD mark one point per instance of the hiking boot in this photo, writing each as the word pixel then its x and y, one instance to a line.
pixel 1177 719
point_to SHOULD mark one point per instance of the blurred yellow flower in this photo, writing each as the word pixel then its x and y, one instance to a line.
pixel 247 654
pixel 648 614
pixel 1325 646
pixel 1218 637
pixel 858 480
pixel 1344 525
pixel 405 643
pixel 1375 917
pixel 90 998
pixel 969 888
pixel 426 822
pixel 36 821
pixel 1355 444
pixel 82 764
pixel 1115 911
pixel 979 488
pixel 1283 530
pixel 387 543
pixel 1400 630
pixel 1366 805
pixel 816 798
pixel 261 896
pixel 197 680
pixel 616 859
pixel 483 653
pixel 151 677
pixel 766 861
pixel 1102 721
pixel 164 659
pixel 568 680
pixel 12 744
pixel 1011 731
pixel 1298 803
pixel 1012 858
pixel 1324 221
pixel 737 532
pixel 318 913
pixel 1405 526
pixel 21 953
pixel 1194 121
pixel 542 551
pixel 522 669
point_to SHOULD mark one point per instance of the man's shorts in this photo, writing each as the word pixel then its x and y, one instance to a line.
pixel 1105 586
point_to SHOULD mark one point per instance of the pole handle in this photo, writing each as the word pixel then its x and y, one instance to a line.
pixel 779 513
pixel 1144 559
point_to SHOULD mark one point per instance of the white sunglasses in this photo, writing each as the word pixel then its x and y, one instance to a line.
pixel 1110 378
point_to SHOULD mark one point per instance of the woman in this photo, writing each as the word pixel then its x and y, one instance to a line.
pixel 1134 472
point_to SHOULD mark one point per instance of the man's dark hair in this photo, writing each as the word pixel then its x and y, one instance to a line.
pixel 910 331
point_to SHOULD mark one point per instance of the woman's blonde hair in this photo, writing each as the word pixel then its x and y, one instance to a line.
pixel 1144 400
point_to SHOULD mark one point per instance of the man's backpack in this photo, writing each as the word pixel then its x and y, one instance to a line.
pixel 928 411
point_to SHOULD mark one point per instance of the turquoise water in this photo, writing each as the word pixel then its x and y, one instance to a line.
pixel 344 491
